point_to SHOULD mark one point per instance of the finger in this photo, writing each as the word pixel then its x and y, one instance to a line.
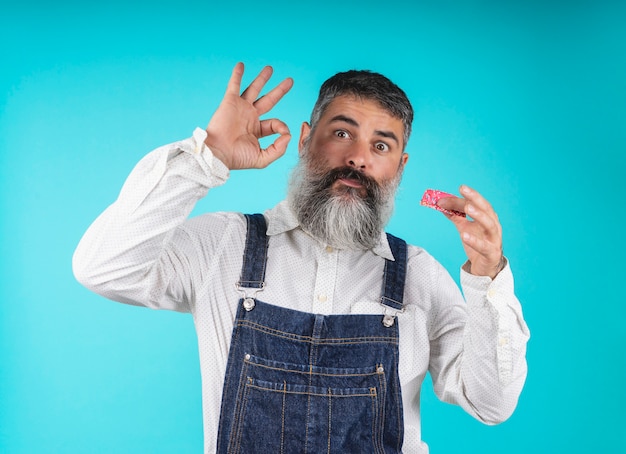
pixel 479 209
pixel 273 126
pixel 234 84
pixel 490 252
pixel 251 93
pixel 475 206
pixel 487 220
pixel 452 204
pixel 266 102
pixel 475 242
pixel 470 196
pixel 476 199
pixel 275 150
pixel 482 225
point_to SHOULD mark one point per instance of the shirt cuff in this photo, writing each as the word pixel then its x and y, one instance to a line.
pixel 497 290
pixel 207 159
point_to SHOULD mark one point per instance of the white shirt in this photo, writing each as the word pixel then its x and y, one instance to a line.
pixel 143 250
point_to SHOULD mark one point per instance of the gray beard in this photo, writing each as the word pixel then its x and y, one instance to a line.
pixel 343 218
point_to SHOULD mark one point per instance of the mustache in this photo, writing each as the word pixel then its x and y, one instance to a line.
pixel 346 172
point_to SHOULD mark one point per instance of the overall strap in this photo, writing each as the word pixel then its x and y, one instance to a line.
pixel 393 280
pixel 255 253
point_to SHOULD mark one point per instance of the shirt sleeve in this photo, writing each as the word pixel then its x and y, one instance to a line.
pixel 478 348
pixel 126 254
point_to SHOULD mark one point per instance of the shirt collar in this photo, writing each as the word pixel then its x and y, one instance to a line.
pixel 281 219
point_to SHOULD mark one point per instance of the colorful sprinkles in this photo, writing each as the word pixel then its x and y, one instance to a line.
pixel 430 198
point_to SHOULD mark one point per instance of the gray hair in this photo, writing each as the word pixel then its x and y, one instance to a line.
pixel 368 85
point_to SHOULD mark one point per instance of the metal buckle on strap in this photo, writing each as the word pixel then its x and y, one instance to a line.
pixel 249 299
pixel 389 314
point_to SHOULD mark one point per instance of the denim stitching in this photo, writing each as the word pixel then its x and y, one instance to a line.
pixel 383 392
pixel 241 389
pixel 372 392
pixel 398 400
pixel 242 418
pixel 364 374
pixel 282 430
pixel 374 417
pixel 308 415
pixel 325 341
pixel 330 417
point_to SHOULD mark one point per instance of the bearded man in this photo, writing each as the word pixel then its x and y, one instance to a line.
pixel 315 327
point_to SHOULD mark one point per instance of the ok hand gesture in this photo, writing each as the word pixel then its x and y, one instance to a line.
pixel 235 129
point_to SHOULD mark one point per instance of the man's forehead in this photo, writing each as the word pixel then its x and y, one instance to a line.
pixel 343 105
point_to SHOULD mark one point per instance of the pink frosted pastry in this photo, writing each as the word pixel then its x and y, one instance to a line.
pixel 430 198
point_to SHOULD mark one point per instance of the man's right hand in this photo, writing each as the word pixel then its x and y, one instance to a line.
pixel 235 129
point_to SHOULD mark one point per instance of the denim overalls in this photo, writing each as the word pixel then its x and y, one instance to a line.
pixel 304 383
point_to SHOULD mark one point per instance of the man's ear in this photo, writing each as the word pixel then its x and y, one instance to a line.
pixel 404 158
pixel 305 130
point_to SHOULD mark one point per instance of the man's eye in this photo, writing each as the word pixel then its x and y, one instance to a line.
pixel 341 133
pixel 381 146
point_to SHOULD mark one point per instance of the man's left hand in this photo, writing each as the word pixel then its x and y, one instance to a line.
pixel 481 235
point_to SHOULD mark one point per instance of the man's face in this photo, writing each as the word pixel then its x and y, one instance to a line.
pixel 343 188
pixel 359 134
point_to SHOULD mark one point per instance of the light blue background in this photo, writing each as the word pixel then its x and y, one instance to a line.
pixel 524 100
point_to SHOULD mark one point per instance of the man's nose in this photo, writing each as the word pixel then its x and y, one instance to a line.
pixel 358 156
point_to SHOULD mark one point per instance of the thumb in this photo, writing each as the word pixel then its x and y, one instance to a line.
pixel 274 151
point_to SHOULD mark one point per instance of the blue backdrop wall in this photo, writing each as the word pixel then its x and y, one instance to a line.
pixel 524 100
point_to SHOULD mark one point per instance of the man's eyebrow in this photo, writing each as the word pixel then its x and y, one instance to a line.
pixel 353 122
pixel 345 119
pixel 388 135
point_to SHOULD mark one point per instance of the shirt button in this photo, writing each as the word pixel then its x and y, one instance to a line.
pixel 329 249
pixel 503 341
pixel 491 293
pixel 322 298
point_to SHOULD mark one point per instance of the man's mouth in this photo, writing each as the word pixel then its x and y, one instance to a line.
pixel 351 182
pixel 348 181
